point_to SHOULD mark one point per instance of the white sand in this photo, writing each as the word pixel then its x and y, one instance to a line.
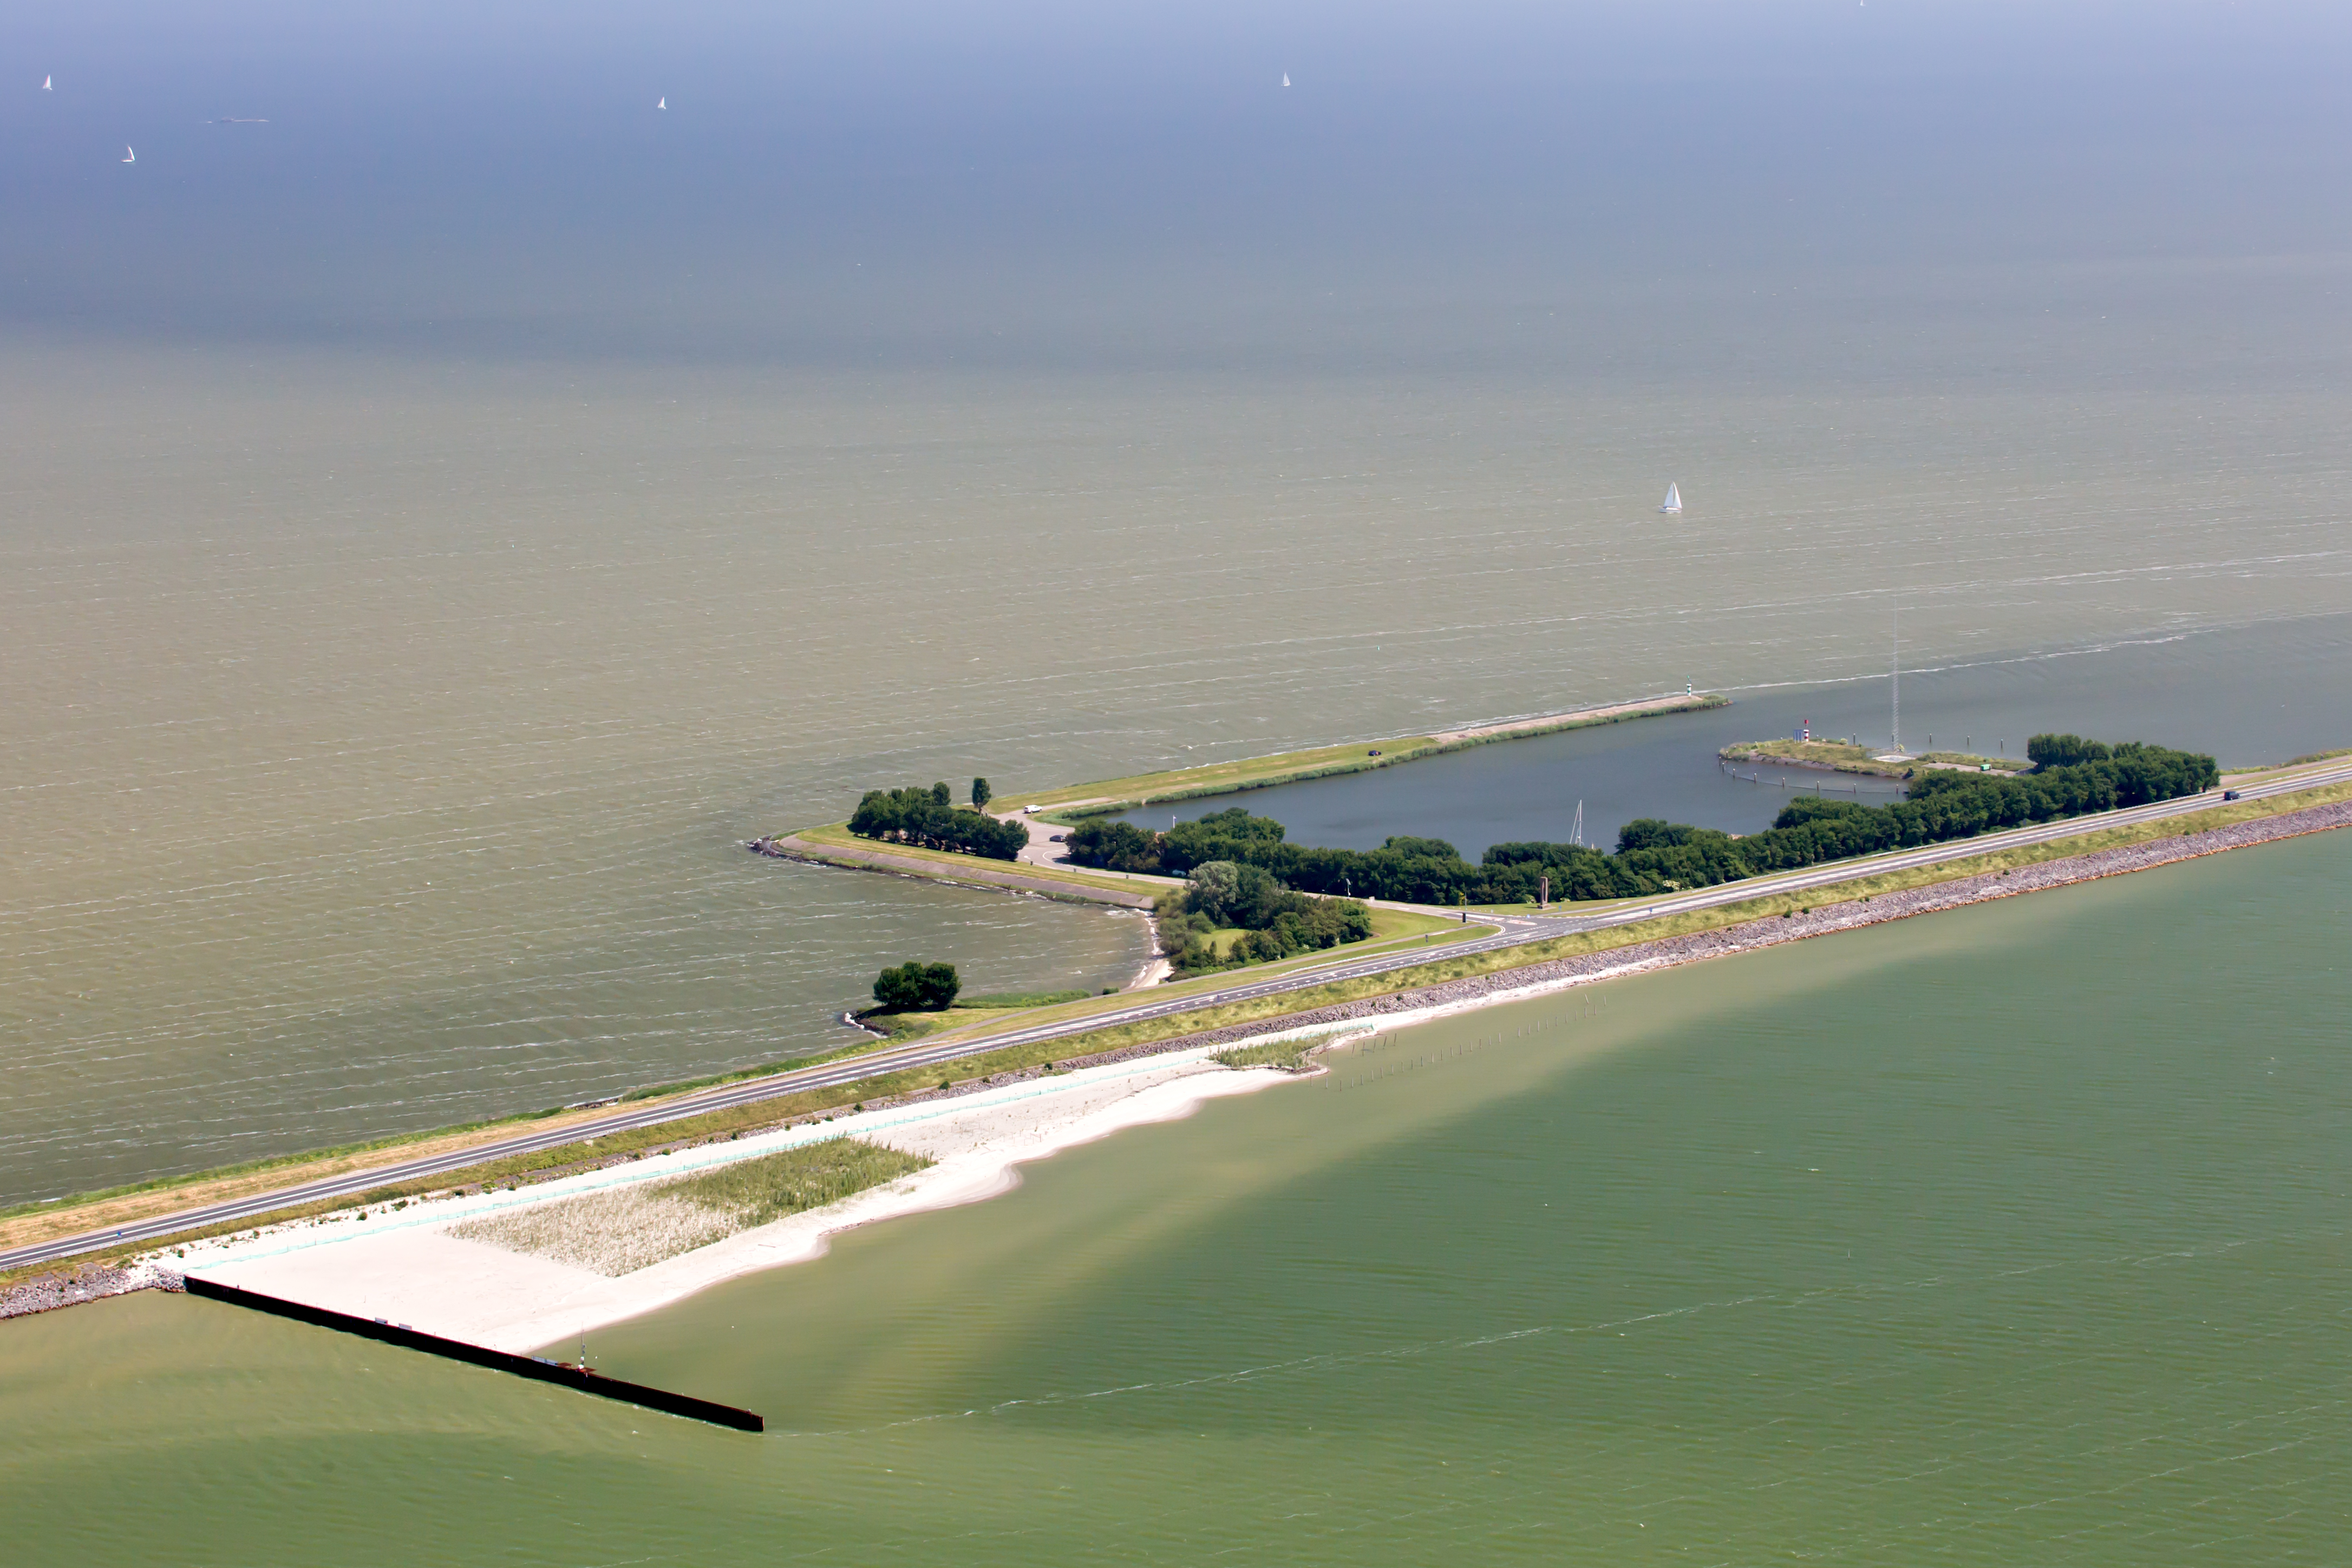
pixel 402 1265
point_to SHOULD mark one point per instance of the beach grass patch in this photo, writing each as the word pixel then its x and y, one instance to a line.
pixel 1289 1055
pixel 628 1228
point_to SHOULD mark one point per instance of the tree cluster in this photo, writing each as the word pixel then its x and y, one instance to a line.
pixel 2065 751
pixel 1656 857
pixel 931 819
pixel 1228 895
pixel 917 987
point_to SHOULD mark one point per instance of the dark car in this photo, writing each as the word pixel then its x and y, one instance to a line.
pixel 2229 794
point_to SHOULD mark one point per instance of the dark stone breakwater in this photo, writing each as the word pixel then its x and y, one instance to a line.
pixel 72 1287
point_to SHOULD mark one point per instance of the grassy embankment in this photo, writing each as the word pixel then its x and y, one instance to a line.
pixel 947 866
pixel 1839 757
pixel 1073 801
pixel 1393 929
pixel 162 1196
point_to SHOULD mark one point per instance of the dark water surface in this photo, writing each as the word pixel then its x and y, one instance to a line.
pixel 2248 695
pixel 2012 1234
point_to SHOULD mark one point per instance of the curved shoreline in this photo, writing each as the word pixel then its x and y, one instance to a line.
pixel 1126 1086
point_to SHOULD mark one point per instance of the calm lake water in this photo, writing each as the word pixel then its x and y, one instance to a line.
pixel 2012 1234
pixel 2247 695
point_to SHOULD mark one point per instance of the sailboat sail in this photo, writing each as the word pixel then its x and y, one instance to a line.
pixel 1673 501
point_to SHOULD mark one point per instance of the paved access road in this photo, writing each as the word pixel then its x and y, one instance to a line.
pixel 1516 931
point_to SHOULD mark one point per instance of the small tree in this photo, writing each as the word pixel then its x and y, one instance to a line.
pixel 941 793
pixel 981 795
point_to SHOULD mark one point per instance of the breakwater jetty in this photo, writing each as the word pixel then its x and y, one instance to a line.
pixel 585 1379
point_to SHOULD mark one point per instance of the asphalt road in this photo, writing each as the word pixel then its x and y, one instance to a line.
pixel 1516 931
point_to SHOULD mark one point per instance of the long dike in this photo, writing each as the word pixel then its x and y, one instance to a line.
pixel 1518 933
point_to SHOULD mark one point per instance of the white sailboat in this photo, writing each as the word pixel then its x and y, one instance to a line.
pixel 1673 501
pixel 45 84
pixel 1286 78
pixel 128 156
pixel 664 103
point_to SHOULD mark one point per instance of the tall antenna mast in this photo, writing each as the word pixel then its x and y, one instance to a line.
pixel 1898 676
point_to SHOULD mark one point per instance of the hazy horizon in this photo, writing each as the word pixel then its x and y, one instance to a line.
pixel 1632 193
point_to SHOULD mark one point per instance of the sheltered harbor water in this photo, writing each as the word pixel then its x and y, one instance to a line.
pixel 2248 695
pixel 1836 1248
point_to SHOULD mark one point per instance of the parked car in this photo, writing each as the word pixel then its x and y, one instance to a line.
pixel 2229 794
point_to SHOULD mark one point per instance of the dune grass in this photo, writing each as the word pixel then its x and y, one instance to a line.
pixel 789 1181
pixel 1289 1055
pixel 622 1229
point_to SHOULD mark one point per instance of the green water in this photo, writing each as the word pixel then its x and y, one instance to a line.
pixel 2013 1235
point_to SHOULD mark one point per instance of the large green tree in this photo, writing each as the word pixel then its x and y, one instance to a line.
pixel 917 987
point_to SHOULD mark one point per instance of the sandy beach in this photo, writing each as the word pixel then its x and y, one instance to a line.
pixel 402 1266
